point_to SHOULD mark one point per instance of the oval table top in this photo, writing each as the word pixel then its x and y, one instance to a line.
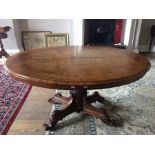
pixel 77 67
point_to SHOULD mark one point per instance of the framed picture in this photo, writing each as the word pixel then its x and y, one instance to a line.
pixel 34 39
pixel 57 39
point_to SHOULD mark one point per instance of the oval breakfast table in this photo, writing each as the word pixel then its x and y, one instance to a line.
pixel 78 69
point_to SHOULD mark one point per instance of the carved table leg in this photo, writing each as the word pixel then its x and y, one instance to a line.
pixel 79 101
pixel 59 99
pixel 74 103
pixel 94 97
pixel 99 113
pixel 58 115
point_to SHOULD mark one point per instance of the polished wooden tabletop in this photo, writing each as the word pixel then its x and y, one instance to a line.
pixel 77 67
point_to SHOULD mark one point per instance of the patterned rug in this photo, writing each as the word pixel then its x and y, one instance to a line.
pixel 133 104
pixel 12 96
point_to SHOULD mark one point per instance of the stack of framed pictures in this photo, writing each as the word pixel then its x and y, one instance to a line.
pixel 41 39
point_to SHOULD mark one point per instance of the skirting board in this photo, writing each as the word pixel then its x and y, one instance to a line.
pixel 145 48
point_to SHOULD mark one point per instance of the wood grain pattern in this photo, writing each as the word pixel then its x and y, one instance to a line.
pixel 77 67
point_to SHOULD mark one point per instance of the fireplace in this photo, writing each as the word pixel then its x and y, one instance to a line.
pixel 102 31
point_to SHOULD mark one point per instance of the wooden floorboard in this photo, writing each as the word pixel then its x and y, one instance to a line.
pixel 35 111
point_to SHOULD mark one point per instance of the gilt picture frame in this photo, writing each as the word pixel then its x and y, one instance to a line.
pixel 57 39
pixel 34 39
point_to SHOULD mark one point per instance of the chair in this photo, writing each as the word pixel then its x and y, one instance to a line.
pixel 3 35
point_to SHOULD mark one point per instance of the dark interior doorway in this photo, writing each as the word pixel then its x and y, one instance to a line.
pixel 102 31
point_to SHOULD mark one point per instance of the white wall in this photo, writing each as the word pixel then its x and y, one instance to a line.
pixel 54 25
pixel 132 33
pixel 17 31
pixel 13 42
